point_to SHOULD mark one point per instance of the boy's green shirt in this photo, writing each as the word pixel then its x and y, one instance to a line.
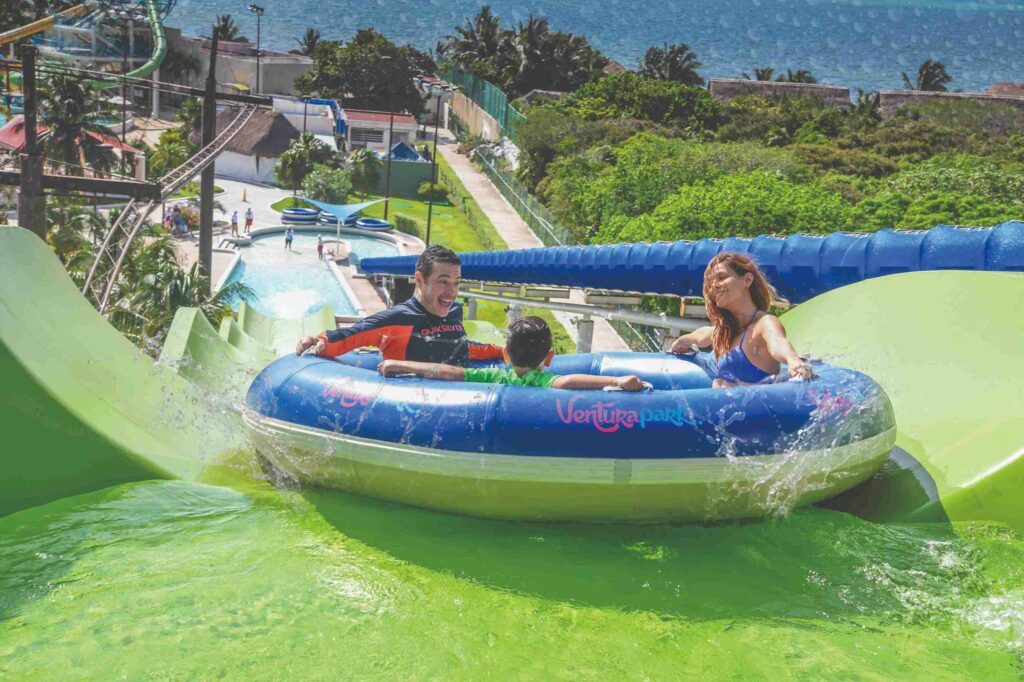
pixel 499 375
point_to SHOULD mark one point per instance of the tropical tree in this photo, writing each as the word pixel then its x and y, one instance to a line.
pixel 178 66
pixel 480 43
pixel 332 185
pixel 761 74
pixel 308 42
pixel 365 167
pixel 353 72
pixel 228 30
pixel 167 155
pixel 676 62
pixel 69 110
pixel 931 76
pixel 798 76
pixel 299 159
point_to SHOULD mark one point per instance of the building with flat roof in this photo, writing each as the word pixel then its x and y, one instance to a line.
pixel 364 129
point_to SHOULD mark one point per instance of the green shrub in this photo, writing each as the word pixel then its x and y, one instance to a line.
pixel 324 183
pixel 962 174
pixel 778 121
pixel 902 211
pixel 745 204
pixel 822 158
pixel 410 226
pixel 425 189
pixel 903 139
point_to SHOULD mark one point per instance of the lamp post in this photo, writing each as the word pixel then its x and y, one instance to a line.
pixel 305 107
pixel 258 11
pixel 123 16
pixel 439 91
pixel 389 61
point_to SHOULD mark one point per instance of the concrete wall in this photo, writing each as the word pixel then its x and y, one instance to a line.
pixel 245 168
pixel 890 100
pixel 480 124
pixel 277 76
pixel 406 177
pixel 725 89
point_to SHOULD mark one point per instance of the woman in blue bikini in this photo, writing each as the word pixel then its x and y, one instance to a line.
pixel 749 344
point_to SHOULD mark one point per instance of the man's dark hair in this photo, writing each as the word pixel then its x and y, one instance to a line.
pixel 435 254
pixel 529 342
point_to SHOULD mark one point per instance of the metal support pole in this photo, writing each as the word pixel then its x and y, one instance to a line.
pixel 206 179
pixel 31 199
pixel 471 307
pixel 584 334
pixel 124 94
pixel 433 168
pixel 389 150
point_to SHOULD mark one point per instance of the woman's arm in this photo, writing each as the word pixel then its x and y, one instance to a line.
pixel 427 370
pixel 781 349
pixel 592 382
pixel 698 337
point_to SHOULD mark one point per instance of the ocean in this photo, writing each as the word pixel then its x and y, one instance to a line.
pixel 860 43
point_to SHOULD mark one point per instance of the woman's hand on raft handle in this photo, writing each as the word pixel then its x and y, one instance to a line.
pixel 630 383
pixel 308 342
pixel 800 370
pixel 693 341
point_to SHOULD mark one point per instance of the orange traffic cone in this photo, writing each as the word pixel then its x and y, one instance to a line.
pixel 245 196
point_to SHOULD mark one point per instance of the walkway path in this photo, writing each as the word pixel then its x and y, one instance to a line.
pixel 517 234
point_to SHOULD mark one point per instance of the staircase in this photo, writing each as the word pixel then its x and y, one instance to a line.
pixel 102 278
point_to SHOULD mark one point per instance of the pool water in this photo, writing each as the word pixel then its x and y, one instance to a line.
pixel 290 284
pixel 175 580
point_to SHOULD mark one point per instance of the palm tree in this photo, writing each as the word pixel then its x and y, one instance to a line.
pixel 69 109
pixel 308 42
pixel 365 168
pixel 761 74
pixel 798 76
pixel 228 30
pixel 178 66
pixel 931 76
pixel 299 159
pixel 166 156
pixel 676 62
pixel 476 44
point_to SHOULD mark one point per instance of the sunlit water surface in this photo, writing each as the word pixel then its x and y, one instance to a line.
pixel 176 580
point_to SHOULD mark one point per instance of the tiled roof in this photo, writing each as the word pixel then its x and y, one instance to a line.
pixel 365 116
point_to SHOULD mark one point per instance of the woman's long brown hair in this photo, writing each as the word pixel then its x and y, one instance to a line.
pixel 727 327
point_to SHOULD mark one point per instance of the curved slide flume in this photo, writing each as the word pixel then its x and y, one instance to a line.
pixel 801 266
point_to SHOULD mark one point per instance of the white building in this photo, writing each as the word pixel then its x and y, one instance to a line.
pixel 365 129
pixel 252 154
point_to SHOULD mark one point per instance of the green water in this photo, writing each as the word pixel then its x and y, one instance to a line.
pixel 173 580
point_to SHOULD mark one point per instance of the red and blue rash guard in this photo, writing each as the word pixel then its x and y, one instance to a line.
pixel 408 331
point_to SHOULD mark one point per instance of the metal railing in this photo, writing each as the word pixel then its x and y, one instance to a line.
pixel 620 316
pixel 487 96
pixel 536 215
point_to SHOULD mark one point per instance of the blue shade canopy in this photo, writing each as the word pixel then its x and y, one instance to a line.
pixel 341 211
pixel 402 151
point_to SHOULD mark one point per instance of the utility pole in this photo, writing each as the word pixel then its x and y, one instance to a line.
pixel 31 199
pixel 258 11
pixel 206 179
pixel 389 148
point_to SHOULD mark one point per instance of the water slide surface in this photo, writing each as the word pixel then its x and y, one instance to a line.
pixel 947 348
pixel 83 409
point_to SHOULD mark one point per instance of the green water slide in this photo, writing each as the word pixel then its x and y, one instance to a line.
pixel 156 58
pixel 948 348
pixel 81 408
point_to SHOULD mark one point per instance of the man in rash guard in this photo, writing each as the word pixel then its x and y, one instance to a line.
pixel 426 328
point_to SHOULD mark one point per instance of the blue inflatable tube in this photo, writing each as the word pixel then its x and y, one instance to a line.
pixel 299 216
pixel 374 224
pixel 800 266
pixel 683 451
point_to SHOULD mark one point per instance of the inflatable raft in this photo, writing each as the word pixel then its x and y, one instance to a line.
pixel 682 451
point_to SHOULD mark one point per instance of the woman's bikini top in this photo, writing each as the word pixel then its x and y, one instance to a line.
pixel 736 368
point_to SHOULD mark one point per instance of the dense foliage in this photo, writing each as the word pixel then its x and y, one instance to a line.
pixel 529 57
pixel 629 158
pixel 367 72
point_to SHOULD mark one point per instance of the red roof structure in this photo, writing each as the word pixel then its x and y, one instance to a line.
pixel 12 136
pixel 366 116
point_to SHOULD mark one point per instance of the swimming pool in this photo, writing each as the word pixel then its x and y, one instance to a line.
pixel 294 283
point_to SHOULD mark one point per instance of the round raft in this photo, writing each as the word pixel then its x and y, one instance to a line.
pixel 682 451
pixel 374 224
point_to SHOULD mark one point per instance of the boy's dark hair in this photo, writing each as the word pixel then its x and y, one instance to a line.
pixel 435 254
pixel 529 342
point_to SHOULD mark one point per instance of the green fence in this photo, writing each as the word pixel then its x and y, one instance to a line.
pixel 534 213
pixel 487 96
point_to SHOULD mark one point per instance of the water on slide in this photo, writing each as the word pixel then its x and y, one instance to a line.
pixel 225 576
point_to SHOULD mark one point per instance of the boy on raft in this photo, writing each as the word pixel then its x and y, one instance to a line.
pixel 528 352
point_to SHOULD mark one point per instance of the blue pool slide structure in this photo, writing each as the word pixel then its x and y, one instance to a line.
pixel 801 266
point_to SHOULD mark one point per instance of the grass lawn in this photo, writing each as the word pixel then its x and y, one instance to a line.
pixel 282 204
